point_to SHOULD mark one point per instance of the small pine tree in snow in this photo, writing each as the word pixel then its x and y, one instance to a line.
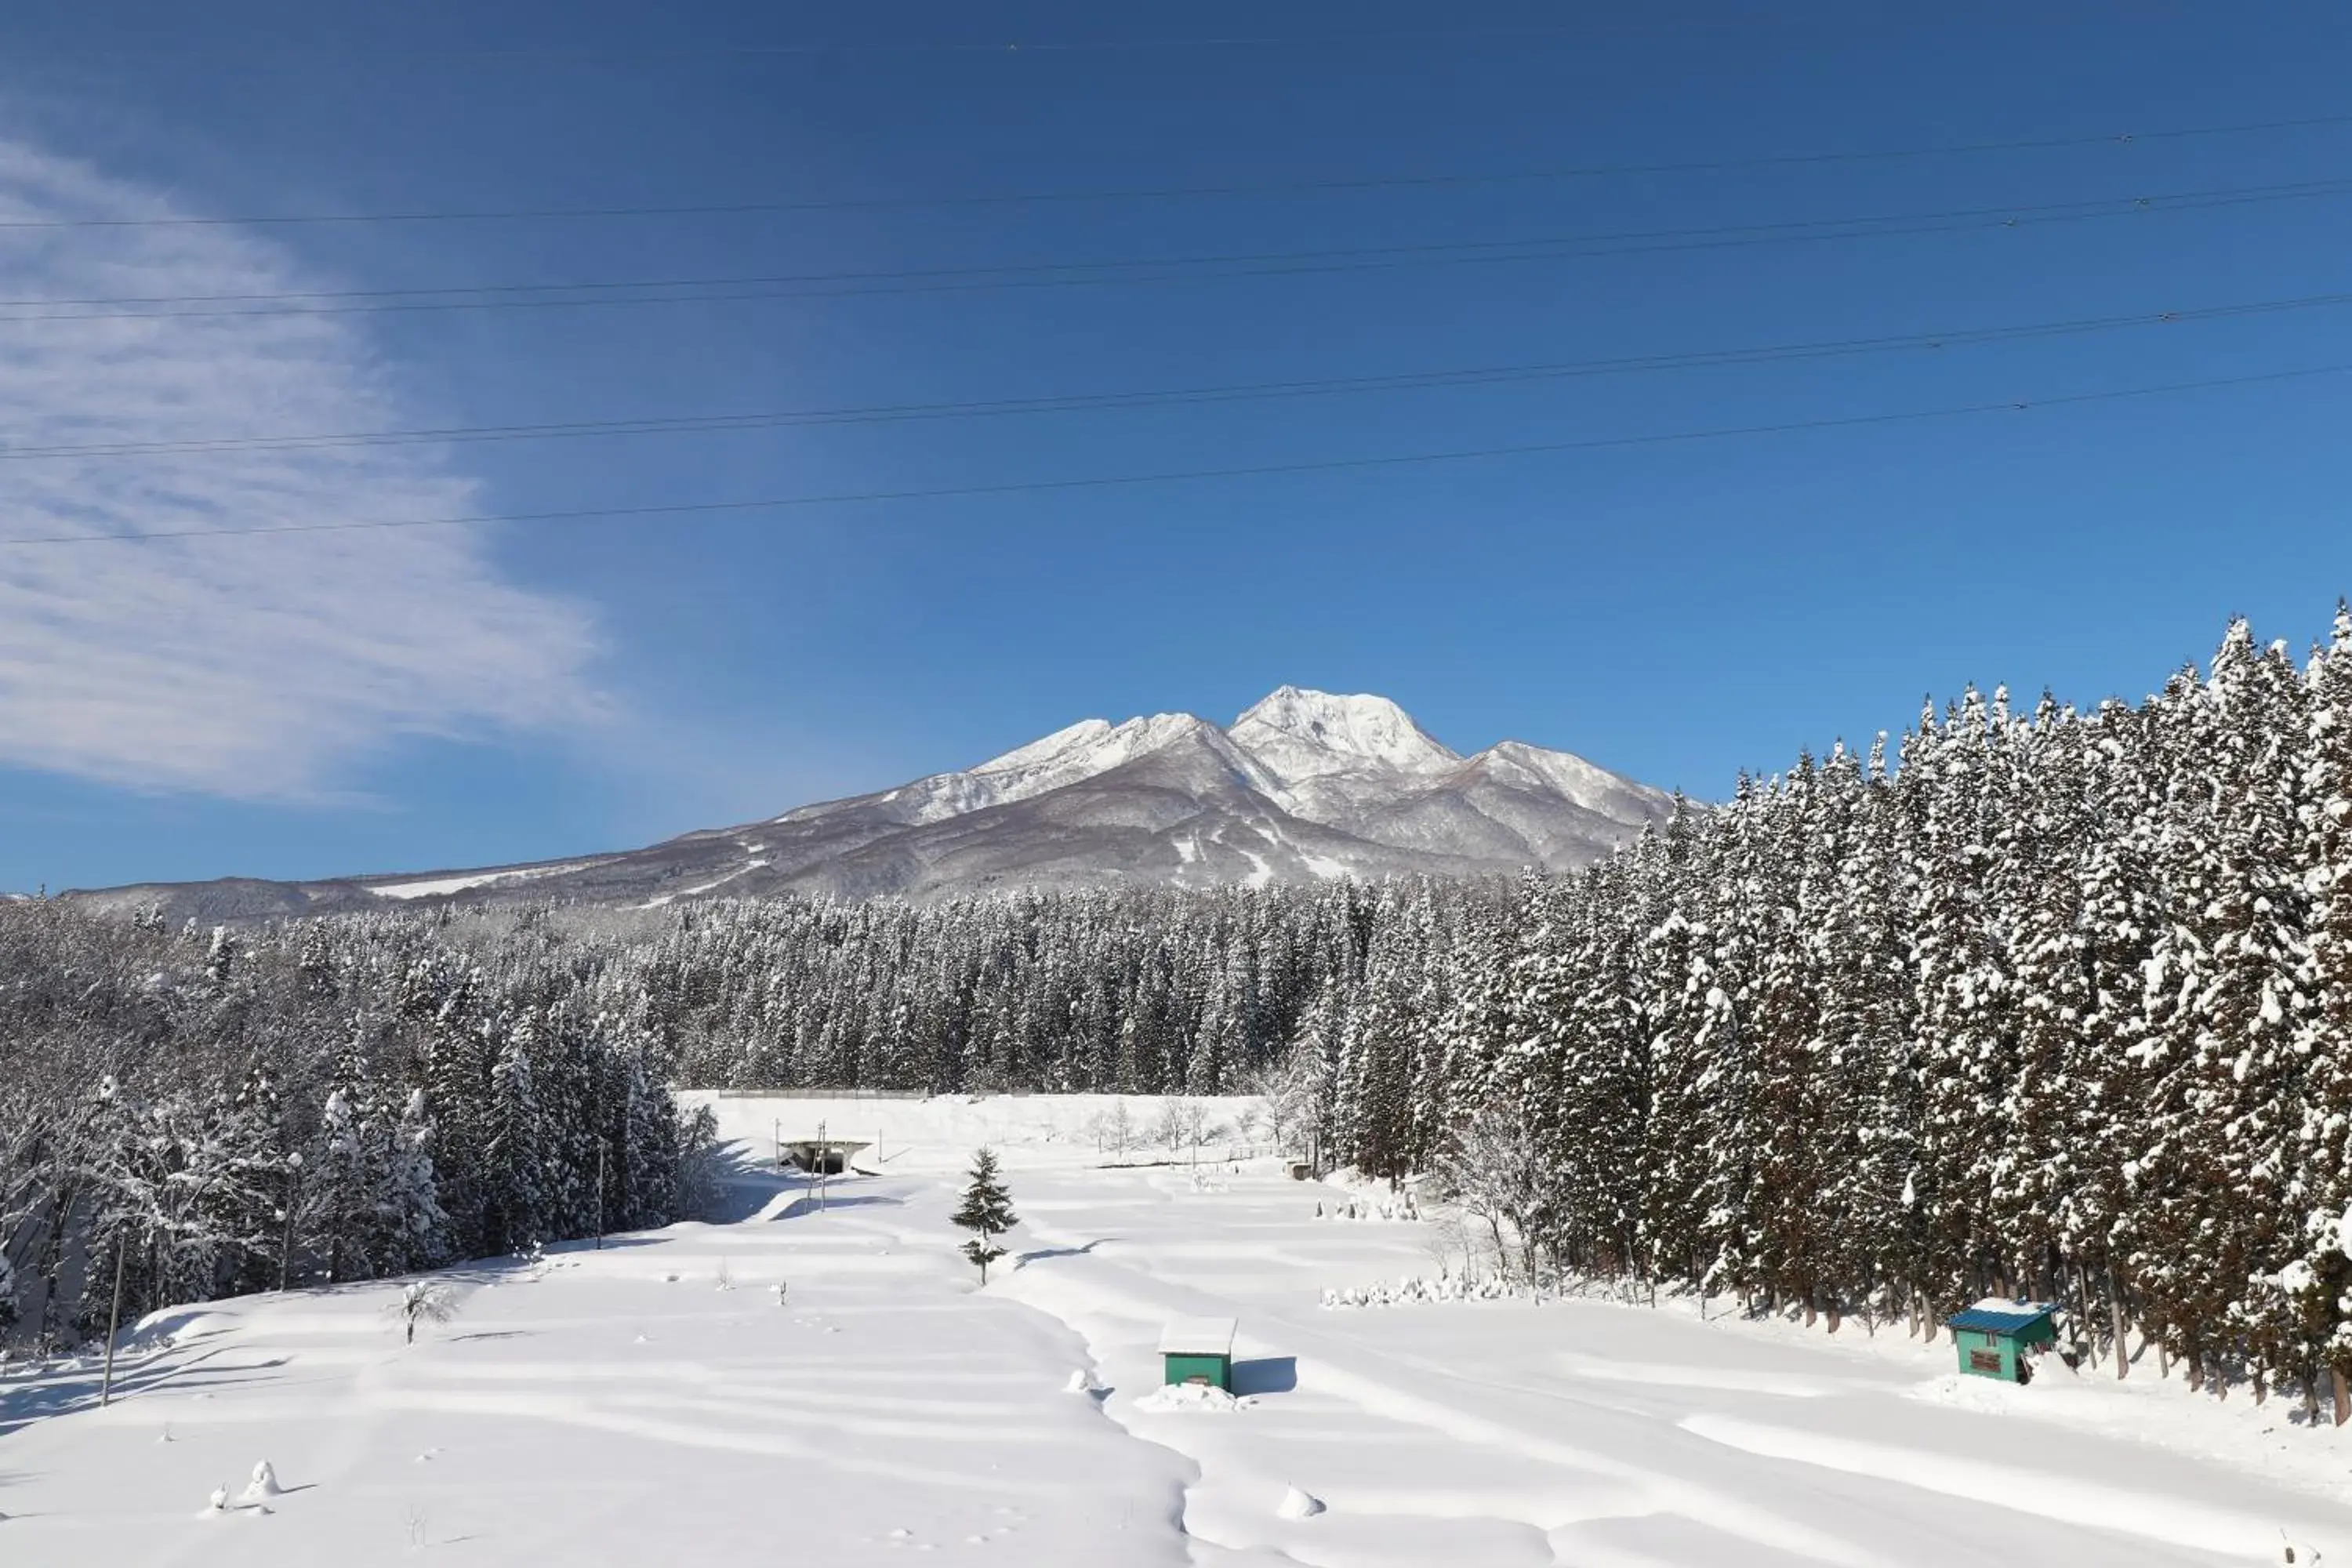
pixel 986 1211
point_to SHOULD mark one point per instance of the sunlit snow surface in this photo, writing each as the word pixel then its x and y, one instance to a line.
pixel 660 1402
pixel 439 887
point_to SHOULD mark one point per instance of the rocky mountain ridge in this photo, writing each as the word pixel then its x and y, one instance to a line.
pixel 1303 786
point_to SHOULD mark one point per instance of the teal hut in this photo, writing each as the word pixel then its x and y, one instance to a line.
pixel 1198 1350
pixel 1993 1336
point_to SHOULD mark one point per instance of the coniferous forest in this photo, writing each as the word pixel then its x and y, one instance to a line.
pixel 2030 1000
pixel 210 1112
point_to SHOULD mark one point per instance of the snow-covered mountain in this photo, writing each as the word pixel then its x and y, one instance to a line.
pixel 1302 786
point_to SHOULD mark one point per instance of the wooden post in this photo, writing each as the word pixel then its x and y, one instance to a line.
pixel 599 1195
pixel 113 1319
pixel 285 1241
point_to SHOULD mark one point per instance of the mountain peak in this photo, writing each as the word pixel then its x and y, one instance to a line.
pixel 1305 785
pixel 1301 733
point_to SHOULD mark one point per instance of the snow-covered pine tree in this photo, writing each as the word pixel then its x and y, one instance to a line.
pixel 418 1230
pixel 515 1188
pixel 2320 1290
pixel 1966 999
pixel 1840 931
pixel 1673 980
pixel 2226 987
pixel 2257 1007
pixel 2036 1170
pixel 2120 898
pixel 986 1211
pixel 348 1177
pixel 1785 917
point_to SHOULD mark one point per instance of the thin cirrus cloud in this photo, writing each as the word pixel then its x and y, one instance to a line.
pixel 256 667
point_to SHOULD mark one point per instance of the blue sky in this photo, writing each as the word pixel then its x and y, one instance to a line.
pixel 296 706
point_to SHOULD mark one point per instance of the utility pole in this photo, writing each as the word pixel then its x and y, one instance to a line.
pixel 114 1318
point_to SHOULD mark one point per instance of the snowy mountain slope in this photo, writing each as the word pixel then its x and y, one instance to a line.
pixel 1304 785
pixel 1083 751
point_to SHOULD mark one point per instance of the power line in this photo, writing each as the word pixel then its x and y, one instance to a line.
pixel 1257 470
pixel 1243 264
pixel 1161 192
pixel 375 53
pixel 1478 375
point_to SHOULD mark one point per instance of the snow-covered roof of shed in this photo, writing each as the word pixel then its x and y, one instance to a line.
pixel 1197 1336
pixel 1995 1315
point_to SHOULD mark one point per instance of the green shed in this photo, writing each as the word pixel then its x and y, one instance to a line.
pixel 1993 1336
pixel 1198 1350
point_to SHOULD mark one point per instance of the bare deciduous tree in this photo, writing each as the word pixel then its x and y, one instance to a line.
pixel 424 1302
pixel 1494 1171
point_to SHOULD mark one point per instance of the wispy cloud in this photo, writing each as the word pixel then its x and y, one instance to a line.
pixel 250 668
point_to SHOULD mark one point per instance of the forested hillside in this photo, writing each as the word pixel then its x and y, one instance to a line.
pixel 2054 1001
pixel 235 1111
pixel 2062 1004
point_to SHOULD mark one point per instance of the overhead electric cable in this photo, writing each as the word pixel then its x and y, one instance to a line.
pixel 1239 264
pixel 1163 193
pixel 1116 481
pixel 1478 375
pixel 380 52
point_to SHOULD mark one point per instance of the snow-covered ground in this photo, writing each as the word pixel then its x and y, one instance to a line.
pixel 657 1401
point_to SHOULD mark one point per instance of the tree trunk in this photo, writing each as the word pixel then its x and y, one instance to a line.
pixel 50 1268
pixel 2117 1326
pixel 2342 1393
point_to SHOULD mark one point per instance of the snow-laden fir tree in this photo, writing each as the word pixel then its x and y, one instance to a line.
pixel 986 1211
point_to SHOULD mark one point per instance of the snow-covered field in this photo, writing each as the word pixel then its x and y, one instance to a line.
pixel 659 1402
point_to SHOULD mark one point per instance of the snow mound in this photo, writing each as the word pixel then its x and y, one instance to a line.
pixel 1297 1504
pixel 1418 1289
pixel 1401 1210
pixel 1193 1396
pixel 263 1485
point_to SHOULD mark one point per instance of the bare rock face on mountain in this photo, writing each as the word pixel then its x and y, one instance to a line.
pixel 1304 785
